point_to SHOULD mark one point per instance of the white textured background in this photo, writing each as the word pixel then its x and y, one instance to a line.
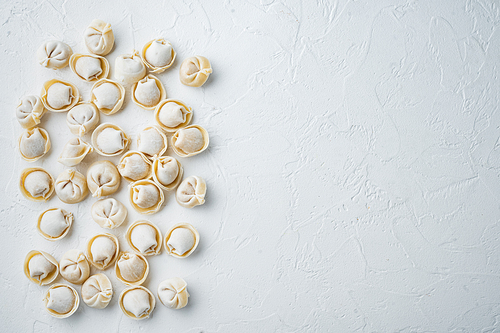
pixel 353 168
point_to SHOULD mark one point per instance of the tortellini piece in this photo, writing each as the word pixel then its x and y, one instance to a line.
pixel 29 112
pixel 145 238
pixel 71 186
pixel 109 213
pixel 108 96
pixel 134 166
pixel 34 143
pixel 109 140
pixel 167 172
pixel 131 268
pixel 61 300
pixel 40 267
pixel 158 55
pixel 146 196
pixel 74 152
pixel 103 178
pixel 148 92
pixel 54 54
pixel 129 68
pixel 181 240
pixel 74 267
pixel 82 119
pixel 99 37
pixel 137 302
pixel 173 293
pixel 172 115
pixel 36 184
pixel 59 96
pixel 191 192
pixel 102 250
pixel 54 223
pixel 195 71
pixel 89 67
pixel 190 141
pixel 97 291
pixel 152 141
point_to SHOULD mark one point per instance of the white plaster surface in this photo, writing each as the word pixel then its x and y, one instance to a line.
pixel 353 168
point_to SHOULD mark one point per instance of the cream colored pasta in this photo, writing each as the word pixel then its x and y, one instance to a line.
pixel 145 196
pixel 152 141
pixel 148 92
pixel 54 223
pixel 172 115
pixel 144 238
pixel 99 37
pixel 36 184
pixel 191 192
pixel 137 302
pixel 54 54
pixel 97 291
pixel 71 186
pixel 61 300
pixel 129 68
pixel 195 71
pixel 59 96
pixel 181 240
pixel 167 172
pixel 131 268
pixel 102 250
pixel 109 140
pixel 74 151
pixel 108 96
pixel 34 143
pixel 29 112
pixel 40 267
pixel 109 213
pixel 83 118
pixel 173 293
pixel 158 55
pixel 134 166
pixel 74 267
pixel 190 141
pixel 89 67
pixel 103 178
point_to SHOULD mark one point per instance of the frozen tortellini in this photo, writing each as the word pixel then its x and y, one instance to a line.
pixel 97 291
pixel 40 267
pixel 148 92
pixel 99 37
pixel 36 184
pixel 89 67
pixel 83 118
pixel 109 213
pixel 191 192
pixel 181 240
pixel 109 140
pixel 74 267
pixel 59 96
pixel 74 151
pixel 195 71
pixel 103 178
pixel 134 166
pixel 129 68
pixel 158 55
pixel 108 96
pixel 172 114
pixel 54 54
pixel 54 223
pixel 190 141
pixel 152 141
pixel 137 302
pixel 146 196
pixel 71 186
pixel 145 238
pixel 167 172
pixel 29 111
pixel 61 300
pixel 131 268
pixel 34 143
pixel 173 293
pixel 102 250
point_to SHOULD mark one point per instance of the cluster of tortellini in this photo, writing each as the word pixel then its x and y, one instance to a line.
pixel 147 169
